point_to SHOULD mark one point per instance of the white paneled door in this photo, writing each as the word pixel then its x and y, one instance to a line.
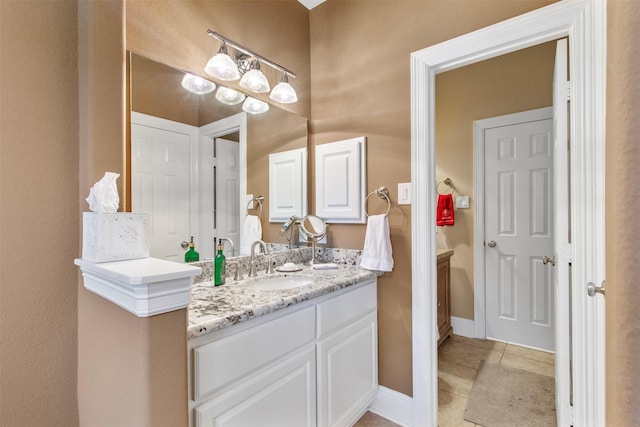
pixel 227 192
pixel 519 233
pixel 160 179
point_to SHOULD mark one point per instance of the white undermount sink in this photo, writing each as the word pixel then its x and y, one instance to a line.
pixel 282 281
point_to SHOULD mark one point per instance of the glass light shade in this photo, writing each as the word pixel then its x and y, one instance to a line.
pixel 254 106
pixel 229 96
pixel 197 85
pixel 221 66
pixel 255 81
pixel 284 93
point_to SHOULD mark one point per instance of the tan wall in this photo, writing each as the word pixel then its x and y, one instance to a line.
pixel 623 202
pixel 360 85
pixel 511 83
pixel 38 213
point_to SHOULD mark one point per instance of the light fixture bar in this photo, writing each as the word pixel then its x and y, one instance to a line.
pixel 250 53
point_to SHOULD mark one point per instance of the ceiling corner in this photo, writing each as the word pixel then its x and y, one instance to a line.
pixel 310 4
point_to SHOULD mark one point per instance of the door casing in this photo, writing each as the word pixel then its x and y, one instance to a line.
pixel 584 22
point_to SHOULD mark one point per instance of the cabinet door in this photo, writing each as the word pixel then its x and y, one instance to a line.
pixel 283 395
pixel 348 372
pixel 443 294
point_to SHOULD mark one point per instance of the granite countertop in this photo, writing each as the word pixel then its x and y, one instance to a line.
pixel 213 308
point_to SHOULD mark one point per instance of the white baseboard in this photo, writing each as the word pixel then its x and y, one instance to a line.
pixel 463 327
pixel 394 406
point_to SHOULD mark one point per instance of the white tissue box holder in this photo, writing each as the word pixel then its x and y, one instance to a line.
pixel 118 236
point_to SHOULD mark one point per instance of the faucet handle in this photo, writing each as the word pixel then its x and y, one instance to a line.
pixel 252 270
pixel 238 274
pixel 270 264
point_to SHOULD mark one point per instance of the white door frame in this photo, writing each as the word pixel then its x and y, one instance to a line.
pixel 479 127
pixel 584 22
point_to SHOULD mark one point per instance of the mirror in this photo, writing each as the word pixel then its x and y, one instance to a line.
pixel 191 195
pixel 315 228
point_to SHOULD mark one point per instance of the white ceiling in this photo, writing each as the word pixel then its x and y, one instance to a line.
pixel 310 4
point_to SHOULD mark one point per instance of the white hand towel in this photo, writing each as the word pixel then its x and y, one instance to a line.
pixel 251 231
pixel 377 254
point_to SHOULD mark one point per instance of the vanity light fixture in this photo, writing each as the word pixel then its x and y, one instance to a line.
pixel 253 80
pixel 284 92
pixel 222 66
pixel 229 96
pixel 254 106
pixel 197 85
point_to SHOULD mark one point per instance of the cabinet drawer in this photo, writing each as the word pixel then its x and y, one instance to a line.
pixel 226 360
pixel 344 308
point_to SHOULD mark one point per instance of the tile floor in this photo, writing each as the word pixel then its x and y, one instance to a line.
pixel 458 361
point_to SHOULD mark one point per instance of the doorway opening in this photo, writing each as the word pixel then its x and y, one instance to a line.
pixel 585 21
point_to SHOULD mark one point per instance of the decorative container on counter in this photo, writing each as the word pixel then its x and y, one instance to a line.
pixel 115 236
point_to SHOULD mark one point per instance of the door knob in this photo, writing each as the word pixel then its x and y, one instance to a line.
pixel 492 244
pixel 184 244
pixel 546 260
pixel 592 289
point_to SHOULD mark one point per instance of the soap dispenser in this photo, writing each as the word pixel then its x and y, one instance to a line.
pixel 191 255
pixel 220 267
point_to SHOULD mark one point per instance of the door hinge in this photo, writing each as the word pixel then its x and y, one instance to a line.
pixel 566 90
pixel 215 162
pixel 565 253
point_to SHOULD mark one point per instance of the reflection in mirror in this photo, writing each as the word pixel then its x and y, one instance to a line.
pixel 315 228
pixel 175 137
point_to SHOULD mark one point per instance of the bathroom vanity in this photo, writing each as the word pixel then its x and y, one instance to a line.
pixel 304 356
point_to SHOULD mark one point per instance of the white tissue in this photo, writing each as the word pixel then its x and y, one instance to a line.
pixel 103 196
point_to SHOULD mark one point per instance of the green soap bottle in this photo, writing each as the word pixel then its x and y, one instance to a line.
pixel 220 267
pixel 191 255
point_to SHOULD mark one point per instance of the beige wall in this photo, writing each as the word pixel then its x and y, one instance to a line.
pixel 360 86
pixel 39 227
pixel 511 83
pixel 623 203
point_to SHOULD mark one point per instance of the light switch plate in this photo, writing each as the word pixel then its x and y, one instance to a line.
pixel 404 193
pixel 462 202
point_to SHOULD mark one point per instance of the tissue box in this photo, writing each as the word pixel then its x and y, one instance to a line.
pixel 115 236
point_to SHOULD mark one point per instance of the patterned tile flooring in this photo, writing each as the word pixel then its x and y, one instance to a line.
pixel 458 362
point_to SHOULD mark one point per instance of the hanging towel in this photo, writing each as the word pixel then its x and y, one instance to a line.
pixel 251 231
pixel 377 253
pixel 444 212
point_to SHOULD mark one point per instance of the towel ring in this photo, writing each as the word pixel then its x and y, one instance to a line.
pixel 258 199
pixel 381 192
pixel 448 182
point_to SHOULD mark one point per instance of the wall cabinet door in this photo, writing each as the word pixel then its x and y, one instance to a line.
pixel 348 372
pixel 283 395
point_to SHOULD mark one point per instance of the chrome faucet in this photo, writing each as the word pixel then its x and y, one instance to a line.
pixel 252 266
pixel 233 251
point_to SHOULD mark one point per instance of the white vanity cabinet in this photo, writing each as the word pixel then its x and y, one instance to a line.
pixel 314 363
pixel 347 356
